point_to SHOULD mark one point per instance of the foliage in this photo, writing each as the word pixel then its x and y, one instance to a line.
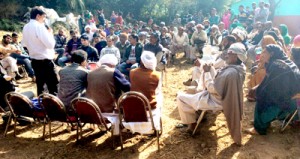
pixel 11 25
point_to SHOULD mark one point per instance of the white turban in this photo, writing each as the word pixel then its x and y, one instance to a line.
pixel 149 60
pixel 108 59
pixel 240 50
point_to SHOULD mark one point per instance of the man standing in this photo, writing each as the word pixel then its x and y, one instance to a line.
pixel 40 43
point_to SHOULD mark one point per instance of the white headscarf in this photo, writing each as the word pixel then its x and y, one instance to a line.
pixel 108 59
pixel 149 60
pixel 240 50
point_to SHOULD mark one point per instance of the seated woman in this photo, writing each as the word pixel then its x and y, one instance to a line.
pixel 259 71
pixel 274 94
pixel 224 92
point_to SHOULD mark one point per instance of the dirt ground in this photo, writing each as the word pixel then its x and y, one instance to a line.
pixel 213 140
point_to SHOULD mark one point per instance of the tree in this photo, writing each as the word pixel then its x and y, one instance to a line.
pixel 273 6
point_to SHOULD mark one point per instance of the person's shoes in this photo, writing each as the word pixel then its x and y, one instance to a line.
pixel 188 82
pixel 178 126
pixel 33 79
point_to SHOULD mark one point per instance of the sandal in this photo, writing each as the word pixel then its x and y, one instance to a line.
pixel 178 126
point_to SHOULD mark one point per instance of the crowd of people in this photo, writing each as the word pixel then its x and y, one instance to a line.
pixel 130 55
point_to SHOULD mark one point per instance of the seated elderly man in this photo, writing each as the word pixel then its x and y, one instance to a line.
pixel 198 39
pixel 145 79
pixel 106 83
pixel 224 92
pixel 180 42
pixel 73 78
pixel 8 62
pixel 220 61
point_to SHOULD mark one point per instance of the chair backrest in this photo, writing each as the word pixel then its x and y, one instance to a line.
pixel 53 107
pixel 87 111
pixel 19 104
pixel 92 65
pixel 134 106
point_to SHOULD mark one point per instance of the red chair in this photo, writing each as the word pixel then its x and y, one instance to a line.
pixel 54 110
pixel 87 111
pixel 133 108
pixel 20 105
pixel 92 65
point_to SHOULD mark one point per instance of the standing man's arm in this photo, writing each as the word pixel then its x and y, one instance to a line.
pixel 46 37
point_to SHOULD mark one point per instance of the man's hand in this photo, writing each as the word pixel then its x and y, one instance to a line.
pixel 206 68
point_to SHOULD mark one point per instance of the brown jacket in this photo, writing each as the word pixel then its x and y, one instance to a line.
pixel 104 87
pixel 145 81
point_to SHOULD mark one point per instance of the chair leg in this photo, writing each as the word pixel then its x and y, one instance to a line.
pixel 50 130
pixel 7 125
pixel 15 125
pixel 44 129
pixel 199 121
pixel 121 137
pixel 157 136
pixel 285 124
pixel 77 134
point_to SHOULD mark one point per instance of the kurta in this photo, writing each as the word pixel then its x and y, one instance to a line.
pixel 225 93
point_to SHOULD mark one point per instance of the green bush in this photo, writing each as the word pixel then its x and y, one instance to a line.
pixel 11 25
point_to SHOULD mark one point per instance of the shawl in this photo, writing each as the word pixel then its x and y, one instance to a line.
pixel 281 83
pixel 229 85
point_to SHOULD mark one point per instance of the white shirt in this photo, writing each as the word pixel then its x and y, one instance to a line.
pixel 182 40
pixel 111 50
pixel 38 40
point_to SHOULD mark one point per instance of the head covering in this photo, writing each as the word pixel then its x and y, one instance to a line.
pixel 240 50
pixel 240 33
pixel 276 53
pixel 296 56
pixel 266 40
pixel 108 59
pixel 296 41
pixel 285 34
pixel 200 26
pixel 87 26
pixel 149 60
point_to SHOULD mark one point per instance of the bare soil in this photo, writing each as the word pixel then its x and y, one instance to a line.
pixel 213 140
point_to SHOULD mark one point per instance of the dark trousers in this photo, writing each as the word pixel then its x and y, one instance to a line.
pixel 24 60
pixel 45 74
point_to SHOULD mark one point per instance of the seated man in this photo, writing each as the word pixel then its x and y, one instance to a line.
pixel 224 92
pixel 110 49
pixel 155 47
pixel 132 55
pixel 22 57
pixel 7 62
pixel 106 91
pixel 73 78
pixel 73 44
pixel 60 43
pixel 122 44
pixel 6 86
pixel 145 79
pixel 180 42
pixel 197 74
pixel 92 53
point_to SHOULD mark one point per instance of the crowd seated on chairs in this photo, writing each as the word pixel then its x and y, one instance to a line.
pixel 103 76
